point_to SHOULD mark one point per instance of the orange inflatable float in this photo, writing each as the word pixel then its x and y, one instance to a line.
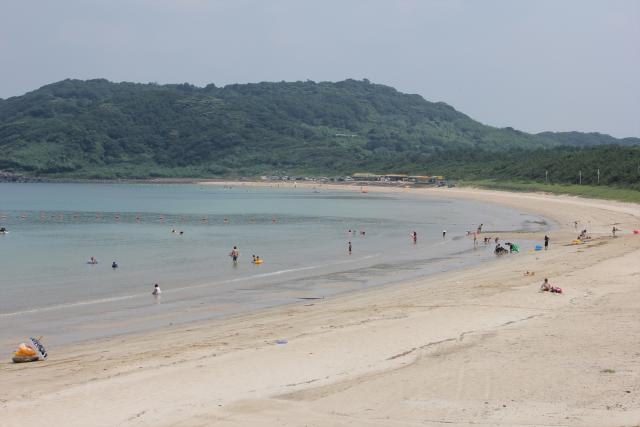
pixel 25 354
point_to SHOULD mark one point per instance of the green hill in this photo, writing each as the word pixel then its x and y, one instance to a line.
pixel 100 129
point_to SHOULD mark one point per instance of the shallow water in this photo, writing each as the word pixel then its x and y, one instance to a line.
pixel 48 289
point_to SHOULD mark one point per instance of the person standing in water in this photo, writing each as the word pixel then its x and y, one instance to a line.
pixel 156 290
pixel 444 234
pixel 546 242
pixel 235 253
pixel 349 248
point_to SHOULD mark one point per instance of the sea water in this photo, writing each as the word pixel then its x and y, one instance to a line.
pixel 48 289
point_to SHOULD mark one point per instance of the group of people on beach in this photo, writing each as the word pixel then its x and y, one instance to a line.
pixel 499 250
pixel 584 236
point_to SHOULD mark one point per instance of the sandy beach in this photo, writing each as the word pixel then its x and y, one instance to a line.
pixel 479 346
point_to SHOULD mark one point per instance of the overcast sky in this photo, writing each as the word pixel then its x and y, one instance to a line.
pixel 534 65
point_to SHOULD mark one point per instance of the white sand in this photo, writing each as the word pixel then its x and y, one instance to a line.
pixel 479 346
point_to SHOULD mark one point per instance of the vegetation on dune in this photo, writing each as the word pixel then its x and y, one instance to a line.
pixel 604 165
pixel 99 129
pixel 590 191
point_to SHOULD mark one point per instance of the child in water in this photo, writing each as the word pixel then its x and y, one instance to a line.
pixel 156 290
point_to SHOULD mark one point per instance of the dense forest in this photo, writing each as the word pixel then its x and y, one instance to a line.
pixel 100 129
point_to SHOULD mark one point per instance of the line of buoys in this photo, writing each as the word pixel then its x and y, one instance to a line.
pixel 43 216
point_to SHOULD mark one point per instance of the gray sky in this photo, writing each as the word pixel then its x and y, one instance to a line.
pixel 535 65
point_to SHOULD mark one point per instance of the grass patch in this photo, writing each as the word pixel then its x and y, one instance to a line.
pixel 591 191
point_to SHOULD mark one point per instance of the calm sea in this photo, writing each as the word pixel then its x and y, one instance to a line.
pixel 48 289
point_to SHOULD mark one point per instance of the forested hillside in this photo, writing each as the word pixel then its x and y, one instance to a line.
pixel 99 129
pixel 617 166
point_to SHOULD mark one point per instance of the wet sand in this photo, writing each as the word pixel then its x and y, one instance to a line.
pixel 479 346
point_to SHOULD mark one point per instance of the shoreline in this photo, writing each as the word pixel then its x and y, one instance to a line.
pixel 377 341
pixel 49 320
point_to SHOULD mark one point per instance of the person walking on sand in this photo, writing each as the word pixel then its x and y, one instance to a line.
pixel 349 248
pixel 613 231
pixel 546 242
pixel 235 253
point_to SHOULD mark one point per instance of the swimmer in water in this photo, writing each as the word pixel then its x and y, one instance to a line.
pixel 93 260
pixel 114 265
pixel 156 290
